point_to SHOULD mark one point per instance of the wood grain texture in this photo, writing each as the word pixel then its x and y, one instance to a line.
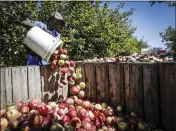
pixel 3 88
pixel 102 85
pixel 90 80
pixel 8 84
pixel 136 89
pixel 168 95
pixel 151 94
pixel 16 84
pixel 116 84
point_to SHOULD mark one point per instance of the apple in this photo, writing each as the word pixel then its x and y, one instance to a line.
pixel 25 109
pixel 67 63
pixel 98 107
pixel 71 83
pixel 74 76
pixel 82 85
pixel 3 124
pixel 63 51
pixel 64 70
pixel 70 78
pixel 3 112
pixel 54 57
pixel 56 52
pixel 72 63
pixel 61 62
pixel 12 114
pixel 79 76
pixel 81 94
pixel 11 106
pixel 72 70
pixel 74 90
pixel 123 126
pixel 54 63
pixel 119 108
pixel 104 105
pixel 132 114
pixel 63 56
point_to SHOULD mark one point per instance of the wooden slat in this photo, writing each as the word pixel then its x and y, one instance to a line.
pixel 151 94
pixel 8 85
pixel 38 94
pixel 102 82
pixel 47 74
pixel 136 89
pixel 127 87
pixel 58 90
pixel 16 85
pixel 31 82
pixel 65 88
pixel 90 81
pixel 168 95
pixel 116 84
pixel 23 83
pixel 3 91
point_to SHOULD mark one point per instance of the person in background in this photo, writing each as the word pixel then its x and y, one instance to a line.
pixel 54 22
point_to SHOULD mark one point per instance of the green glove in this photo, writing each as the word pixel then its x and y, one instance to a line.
pixel 27 24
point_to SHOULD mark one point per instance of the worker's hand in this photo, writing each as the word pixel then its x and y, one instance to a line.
pixel 27 24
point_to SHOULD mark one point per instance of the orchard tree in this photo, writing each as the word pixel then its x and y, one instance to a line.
pixel 169 35
pixel 93 29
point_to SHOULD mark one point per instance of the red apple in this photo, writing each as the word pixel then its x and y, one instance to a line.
pixel 81 94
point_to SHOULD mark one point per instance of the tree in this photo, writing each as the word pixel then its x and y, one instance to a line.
pixel 93 30
pixel 169 3
pixel 169 36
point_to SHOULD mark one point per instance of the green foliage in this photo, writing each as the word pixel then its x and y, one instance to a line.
pixel 169 36
pixel 13 50
pixel 169 3
pixel 93 30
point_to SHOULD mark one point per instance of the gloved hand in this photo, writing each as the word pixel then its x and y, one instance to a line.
pixel 27 24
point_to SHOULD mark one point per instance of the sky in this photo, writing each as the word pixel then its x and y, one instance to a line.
pixel 150 20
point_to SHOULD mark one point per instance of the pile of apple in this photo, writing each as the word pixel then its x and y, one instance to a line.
pixel 139 58
pixel 70 114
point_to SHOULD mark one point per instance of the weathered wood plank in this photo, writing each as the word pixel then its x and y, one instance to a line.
pixel 49 83
pixel 136 89
pixel 127 87
pixel 38 91
pixel 31 82
pixel 90 81
pixel 8 84
pixel 23 83
pixel 16 85
pixel 151 94
pixel 3 91
pixel 65 88
pixel 116 84
pixel 102 82
pixel 168 95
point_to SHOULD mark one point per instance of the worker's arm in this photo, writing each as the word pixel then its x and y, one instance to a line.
pixel 28 24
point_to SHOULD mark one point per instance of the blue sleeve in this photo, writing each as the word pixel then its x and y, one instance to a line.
pixel 39 24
